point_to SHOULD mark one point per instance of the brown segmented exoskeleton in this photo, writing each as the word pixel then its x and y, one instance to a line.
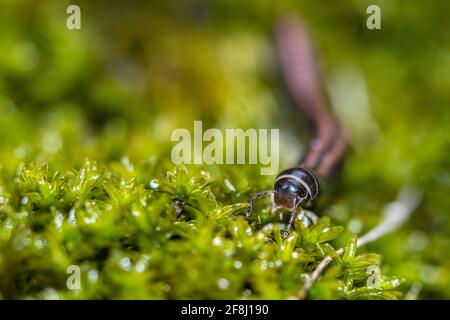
pixel 299 186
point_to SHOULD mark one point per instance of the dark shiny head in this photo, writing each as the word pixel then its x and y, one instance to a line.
pixel 293 185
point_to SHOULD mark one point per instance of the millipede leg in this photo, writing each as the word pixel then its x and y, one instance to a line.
pixel 293 216
pixel 249 210
pixel 291 222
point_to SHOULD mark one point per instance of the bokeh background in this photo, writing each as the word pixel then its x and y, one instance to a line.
pixel 116 89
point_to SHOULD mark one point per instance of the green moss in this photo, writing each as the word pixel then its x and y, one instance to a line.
pixel 170 239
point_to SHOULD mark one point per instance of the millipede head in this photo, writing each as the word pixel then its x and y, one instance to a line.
pixel 295 186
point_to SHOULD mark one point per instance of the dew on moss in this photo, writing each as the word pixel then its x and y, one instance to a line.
pixel 223 283
pixel 125 263
pixel 154 184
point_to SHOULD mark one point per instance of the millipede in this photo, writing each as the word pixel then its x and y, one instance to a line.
pixel 299 186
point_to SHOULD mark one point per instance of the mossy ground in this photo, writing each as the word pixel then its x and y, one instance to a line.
pixel 86 177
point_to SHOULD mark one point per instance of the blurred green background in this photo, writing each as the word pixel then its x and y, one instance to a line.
pixel 116 89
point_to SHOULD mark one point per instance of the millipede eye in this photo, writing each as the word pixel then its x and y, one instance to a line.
pixel 302 192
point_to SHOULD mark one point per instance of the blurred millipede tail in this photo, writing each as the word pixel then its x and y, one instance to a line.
pixel 300 72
